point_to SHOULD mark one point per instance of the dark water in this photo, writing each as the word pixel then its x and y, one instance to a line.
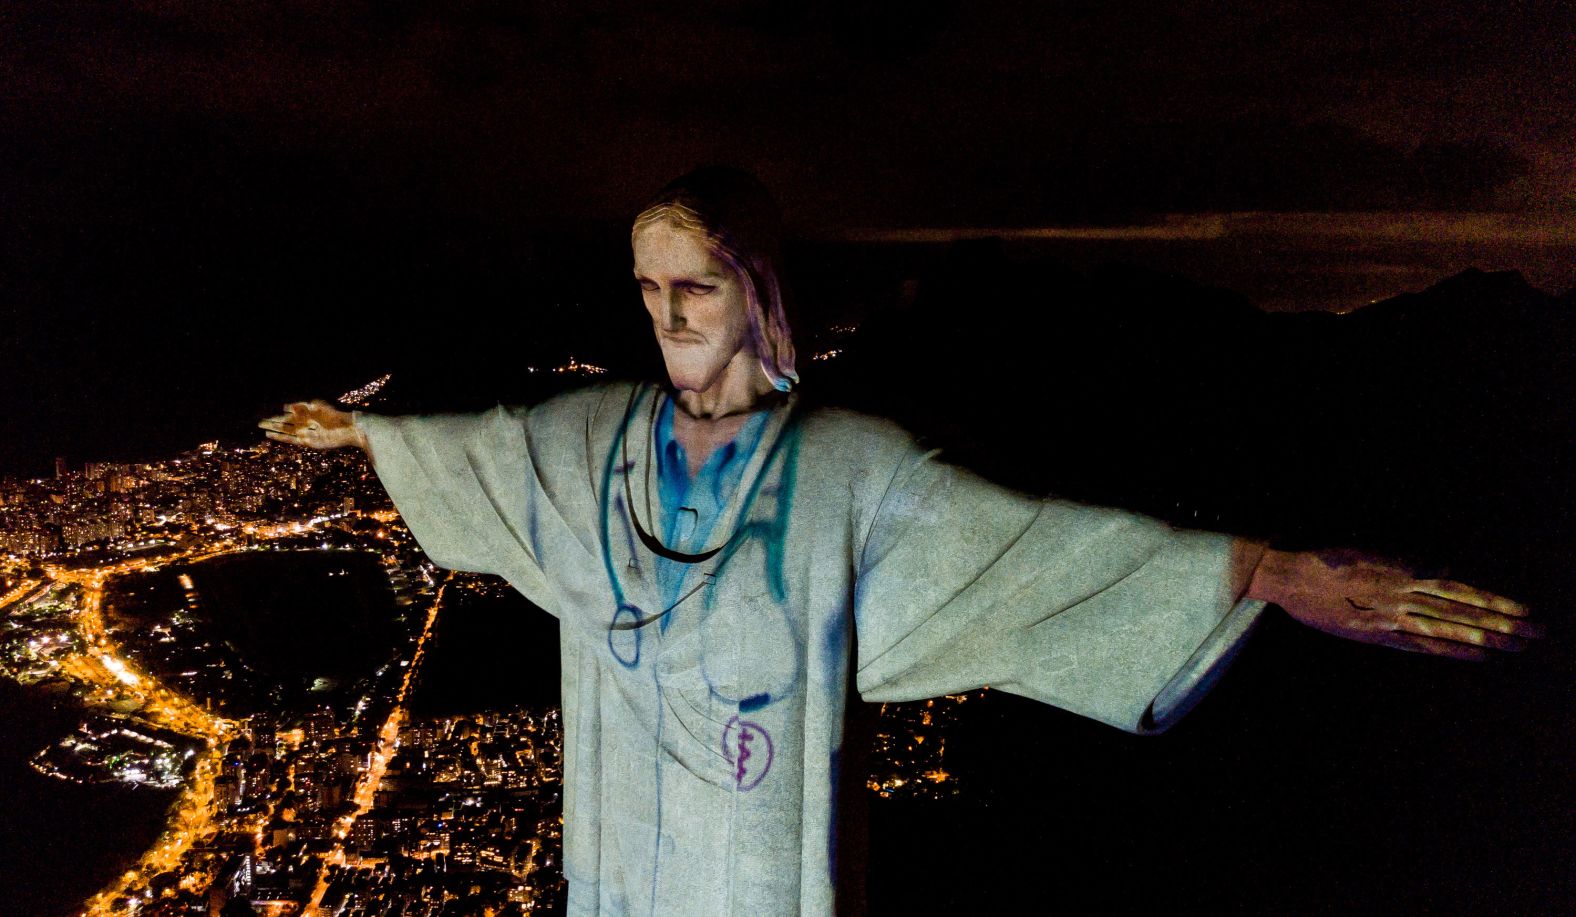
pixel 299 616
pixel 61 842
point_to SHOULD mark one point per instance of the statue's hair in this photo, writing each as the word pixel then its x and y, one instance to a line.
pixel 734 213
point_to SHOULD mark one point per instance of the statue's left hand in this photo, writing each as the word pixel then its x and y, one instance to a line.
pixel 1366 598
pixel 315 424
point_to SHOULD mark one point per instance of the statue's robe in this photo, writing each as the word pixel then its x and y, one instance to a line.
pixel 702 738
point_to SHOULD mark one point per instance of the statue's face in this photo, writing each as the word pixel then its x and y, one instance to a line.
pixel 697 307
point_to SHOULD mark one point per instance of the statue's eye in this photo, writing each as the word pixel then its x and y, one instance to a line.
pixel 648 285
pixel 700 289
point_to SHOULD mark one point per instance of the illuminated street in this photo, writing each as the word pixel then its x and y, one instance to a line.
pixel 388 738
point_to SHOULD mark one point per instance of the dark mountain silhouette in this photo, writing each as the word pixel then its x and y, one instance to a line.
pixel 1321 776
pixel 1422 426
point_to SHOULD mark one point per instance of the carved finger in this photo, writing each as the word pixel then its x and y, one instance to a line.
pixel 1474 615
pixel 1433 646
pixel 1461 592
pixel 1425 626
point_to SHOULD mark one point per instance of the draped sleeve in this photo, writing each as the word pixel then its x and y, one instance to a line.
pixel 467 487
pixel 1103 612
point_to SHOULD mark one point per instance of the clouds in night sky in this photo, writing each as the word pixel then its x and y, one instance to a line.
pixel 862 112
pixel 196 184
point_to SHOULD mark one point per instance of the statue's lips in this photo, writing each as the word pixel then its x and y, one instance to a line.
pixel 683 339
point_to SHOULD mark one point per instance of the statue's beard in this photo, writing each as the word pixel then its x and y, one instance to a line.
pixel 697 367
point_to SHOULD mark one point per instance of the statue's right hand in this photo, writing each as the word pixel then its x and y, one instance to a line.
pixel 315 424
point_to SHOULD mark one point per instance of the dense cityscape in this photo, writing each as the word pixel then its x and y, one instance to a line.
pixel 321 795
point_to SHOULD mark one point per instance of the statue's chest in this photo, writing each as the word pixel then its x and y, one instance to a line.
pixel 725 616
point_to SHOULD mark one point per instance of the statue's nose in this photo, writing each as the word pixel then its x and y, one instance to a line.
pixel 673 312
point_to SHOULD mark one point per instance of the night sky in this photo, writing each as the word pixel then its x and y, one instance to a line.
pixel 208 208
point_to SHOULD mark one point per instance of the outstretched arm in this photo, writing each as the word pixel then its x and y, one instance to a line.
pixel 467 484
pixel 1106 613
pixel 1372 600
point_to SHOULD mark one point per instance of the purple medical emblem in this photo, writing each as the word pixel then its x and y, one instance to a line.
pixel 748 748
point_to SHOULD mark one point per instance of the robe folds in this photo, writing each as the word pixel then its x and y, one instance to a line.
pixel 703 734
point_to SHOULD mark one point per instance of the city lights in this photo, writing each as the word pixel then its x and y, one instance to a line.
pixel 292 812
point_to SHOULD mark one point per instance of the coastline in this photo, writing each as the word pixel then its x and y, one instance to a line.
pixel 192 807
pixel 66 840
pixel 134 732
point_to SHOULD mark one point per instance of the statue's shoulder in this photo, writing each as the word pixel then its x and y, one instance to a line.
pixel 854 436
pixel 577 404
pixel 590 414
pixel 589 401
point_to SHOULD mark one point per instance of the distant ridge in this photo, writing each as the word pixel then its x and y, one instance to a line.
pixel 1435 425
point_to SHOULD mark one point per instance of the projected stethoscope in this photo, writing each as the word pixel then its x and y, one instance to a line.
pixel 629 620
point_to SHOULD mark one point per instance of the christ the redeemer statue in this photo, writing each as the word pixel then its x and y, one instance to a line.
pixel 727 567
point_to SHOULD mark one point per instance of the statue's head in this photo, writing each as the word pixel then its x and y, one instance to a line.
pixel 707 251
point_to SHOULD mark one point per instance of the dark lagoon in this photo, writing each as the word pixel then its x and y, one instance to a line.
pixel 308 624
pixel 293 629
